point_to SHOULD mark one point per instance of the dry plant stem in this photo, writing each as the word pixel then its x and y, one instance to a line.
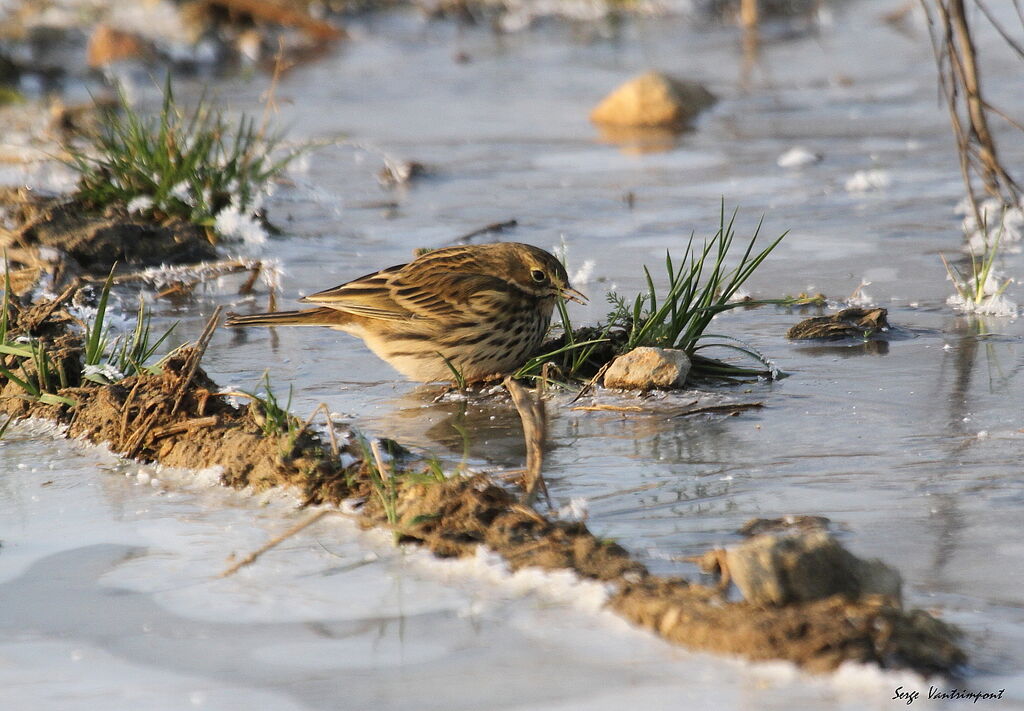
pixel 378 457
pixel 532 413
pixel 125 411
pixel 1000 29
pixel 947 83
pixel 729 409
pixel 1003 115
pixel 749 14
pixel 322 407
pixel 58 302
pixel 254 273
pixel 959 76
pixel 592 382
pixel 186 426
pixel 610 408
pixel 196 357
pixel 486 229
pixel 971 79
pixel 276 540
pixel 210 270
pixel 269 104
pixel 134 442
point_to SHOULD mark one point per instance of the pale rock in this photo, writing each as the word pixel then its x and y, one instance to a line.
pixel 645 368
pixel 653 100
pixel 778 569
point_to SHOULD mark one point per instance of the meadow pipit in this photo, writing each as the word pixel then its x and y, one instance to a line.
pixel 480 309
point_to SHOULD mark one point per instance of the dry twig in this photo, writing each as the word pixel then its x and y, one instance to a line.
pixel 960 82
pixel 195 357
pixel 251 558
pixel 532 413
pixel 486 229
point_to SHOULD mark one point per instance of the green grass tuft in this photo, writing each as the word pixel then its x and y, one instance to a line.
pixel 191 166
pixel 105 360
pixel 975 289
pixel 700 285
pixel 275 420
pixel 42 376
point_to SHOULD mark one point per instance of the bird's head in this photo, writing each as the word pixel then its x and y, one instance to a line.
pixel 538 273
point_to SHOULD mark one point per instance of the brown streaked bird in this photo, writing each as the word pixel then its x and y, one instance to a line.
pixel 482 308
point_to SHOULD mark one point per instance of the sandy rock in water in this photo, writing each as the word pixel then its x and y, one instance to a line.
pixel 776 569
pixel 653 100
pixel 646 368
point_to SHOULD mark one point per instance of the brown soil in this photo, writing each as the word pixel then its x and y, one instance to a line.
pixel 89 242
pixel 177 419
pixel 856 323
pixel 818 635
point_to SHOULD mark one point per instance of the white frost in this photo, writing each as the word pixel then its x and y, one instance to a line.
pixel 997 220
pixel 139 204
pixel 798 157
pixel 106 371
pixel 576 510
pixel 989 306
pixel 582 275
pixel 236 223
pixel 183 192
pixel 868 180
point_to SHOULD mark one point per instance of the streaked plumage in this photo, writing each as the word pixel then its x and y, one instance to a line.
pixel 485 308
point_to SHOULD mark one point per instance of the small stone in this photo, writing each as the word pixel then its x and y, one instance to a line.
pixel 645 368
pixel 653 100
pixel 108 45
pixel 778 569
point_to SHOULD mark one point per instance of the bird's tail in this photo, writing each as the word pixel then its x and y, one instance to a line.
pixel 323 316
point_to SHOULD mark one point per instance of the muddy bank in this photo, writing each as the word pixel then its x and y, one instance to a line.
pixel 72 238
pixel 177 417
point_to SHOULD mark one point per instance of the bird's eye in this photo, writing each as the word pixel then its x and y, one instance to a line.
pixel 539 276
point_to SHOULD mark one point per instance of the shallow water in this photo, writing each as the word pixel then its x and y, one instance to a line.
pixel 913 450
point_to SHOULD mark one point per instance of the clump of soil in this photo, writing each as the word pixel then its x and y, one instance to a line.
pixel 856 323
pixel 88 242
pixel 818 635
pixel 177 418
pixel 453 517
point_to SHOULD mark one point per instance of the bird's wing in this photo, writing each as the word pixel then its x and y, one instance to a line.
pixel 369 296
pixel 413 291
pixel 449 294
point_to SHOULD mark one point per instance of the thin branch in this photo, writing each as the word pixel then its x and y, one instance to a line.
pixel 251 558
pixel 999 28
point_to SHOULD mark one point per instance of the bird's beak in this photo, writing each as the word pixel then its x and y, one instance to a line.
pixel 571 294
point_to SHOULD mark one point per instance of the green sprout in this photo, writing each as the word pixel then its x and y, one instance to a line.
pixel 700 286
pixel 190 166
pixel 975 289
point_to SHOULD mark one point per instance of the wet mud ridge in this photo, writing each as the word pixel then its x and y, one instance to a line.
pixel 60 232
pixel 807 599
